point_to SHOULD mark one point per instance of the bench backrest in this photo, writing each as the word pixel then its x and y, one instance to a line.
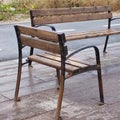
pixel 41 39
pixel 62 15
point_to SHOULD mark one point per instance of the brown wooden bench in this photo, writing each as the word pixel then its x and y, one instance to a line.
pixel 56 56
pixel 40 17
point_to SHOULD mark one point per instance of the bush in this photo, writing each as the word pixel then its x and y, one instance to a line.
pixel 23 6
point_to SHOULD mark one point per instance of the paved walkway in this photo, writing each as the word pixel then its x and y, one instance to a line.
pixel 39 95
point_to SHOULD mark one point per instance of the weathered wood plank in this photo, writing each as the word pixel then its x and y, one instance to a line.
pixel 71 61
pixel 51 63
pixel 64 11
pixel 70 18
pixel 92 34
pixel 41 34
pixel 80 59
pixel 62 15
pixel 40 44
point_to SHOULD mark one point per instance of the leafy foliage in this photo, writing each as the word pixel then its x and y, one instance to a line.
pixel 7 11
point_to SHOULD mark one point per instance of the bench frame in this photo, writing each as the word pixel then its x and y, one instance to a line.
pixel 33 37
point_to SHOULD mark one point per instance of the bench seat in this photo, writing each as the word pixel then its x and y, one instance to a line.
pixel 92 34
pixel 49 17
pixel 73 66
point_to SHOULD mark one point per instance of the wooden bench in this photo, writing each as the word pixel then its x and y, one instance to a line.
pixel 56 56
pixel 77 14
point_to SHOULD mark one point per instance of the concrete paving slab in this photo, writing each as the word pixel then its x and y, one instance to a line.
pixel 38 91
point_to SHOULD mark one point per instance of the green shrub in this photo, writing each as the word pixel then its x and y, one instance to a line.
pixel 23 6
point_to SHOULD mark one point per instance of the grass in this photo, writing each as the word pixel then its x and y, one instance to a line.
pixel 8 11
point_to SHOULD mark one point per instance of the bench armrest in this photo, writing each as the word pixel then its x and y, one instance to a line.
pixel 96 53
pixel 116 18
pixel 52 27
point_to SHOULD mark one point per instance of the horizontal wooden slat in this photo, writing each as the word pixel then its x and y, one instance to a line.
pixel 91 34
pixel 46 35
pixel 75 59
pixel 75 10
pixel 70 18
pixel 40 44
pixel 55 63
pixel 69 61
pixel 51 63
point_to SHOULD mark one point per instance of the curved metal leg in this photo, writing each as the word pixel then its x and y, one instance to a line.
pixel 31 53
pixel 18 80
pixel 60 97
pixel 105 46
pixel 99 75
pixel 100 85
